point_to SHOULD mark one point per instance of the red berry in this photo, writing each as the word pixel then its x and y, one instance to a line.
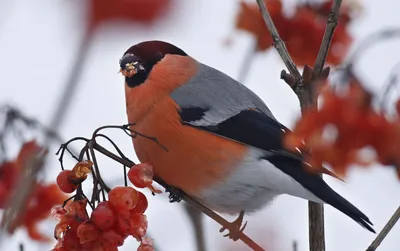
pixel 141 229
pixel 103 216
pixel 141 175
pixel 145 247
pixel 141 205
pixel 398 107
pixel 137 219
pixel 64 183
pixel 4 195
pixel 58 212
pixel 124 223
pixel 113 237
pixel 123 198
pixel 87 232
pixel 87 246
pixel 77 209
pixel 70 240
pixel 103 245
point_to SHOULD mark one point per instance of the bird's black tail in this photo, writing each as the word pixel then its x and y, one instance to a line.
pixel 316 185
pixel 347 208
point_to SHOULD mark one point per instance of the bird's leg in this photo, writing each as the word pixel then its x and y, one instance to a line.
pixel 175 194
pixel 235 227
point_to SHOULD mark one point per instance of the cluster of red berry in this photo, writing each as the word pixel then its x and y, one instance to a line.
pixel 110 222
pixel 134 10
pixel 356 125
pixel 307 19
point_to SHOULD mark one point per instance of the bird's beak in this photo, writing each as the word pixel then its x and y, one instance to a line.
pixel 130 65
pixel 131 69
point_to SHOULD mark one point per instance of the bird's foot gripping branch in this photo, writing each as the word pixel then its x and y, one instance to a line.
pixel 118 212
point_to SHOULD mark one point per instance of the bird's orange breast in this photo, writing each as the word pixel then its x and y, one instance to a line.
pixel 195 159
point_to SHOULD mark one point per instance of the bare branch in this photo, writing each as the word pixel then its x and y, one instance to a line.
pixel 315 210
pixel 386 229
pixel 278 42
pixel 316 226
pixel 308 100
pixel 294 245
pixel 327 38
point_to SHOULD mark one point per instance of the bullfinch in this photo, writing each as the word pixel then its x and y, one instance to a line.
pixel 222 144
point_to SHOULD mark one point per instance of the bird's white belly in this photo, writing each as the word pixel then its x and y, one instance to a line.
pixel 254 184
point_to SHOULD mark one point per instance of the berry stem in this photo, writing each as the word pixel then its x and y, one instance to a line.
pixel 96 167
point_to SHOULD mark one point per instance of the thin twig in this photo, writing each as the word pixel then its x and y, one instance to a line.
pixel 127 130
pixel 113 144
pixel 13 114
pixel 294 245
pixel 146 137
pixel 121 154
pixel 243 237
pixel 386 229
pixel 96 168
pixel 371 40
pixel 392 82
pixel 278 42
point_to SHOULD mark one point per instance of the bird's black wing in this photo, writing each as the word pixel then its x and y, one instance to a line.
pixel 250 127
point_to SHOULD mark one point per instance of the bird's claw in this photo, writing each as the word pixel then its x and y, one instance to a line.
pixel 235 228
pixel 175 194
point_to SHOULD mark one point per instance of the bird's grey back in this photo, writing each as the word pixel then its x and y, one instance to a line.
pixel 221 95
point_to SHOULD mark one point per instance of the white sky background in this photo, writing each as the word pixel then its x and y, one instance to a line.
pixel 38 41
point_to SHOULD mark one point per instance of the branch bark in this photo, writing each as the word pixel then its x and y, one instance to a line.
pixel 305 91
pixel 278 42
pixel 327 38
pixel 315 210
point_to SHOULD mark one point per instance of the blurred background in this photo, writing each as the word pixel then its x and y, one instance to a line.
pixel 45 45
